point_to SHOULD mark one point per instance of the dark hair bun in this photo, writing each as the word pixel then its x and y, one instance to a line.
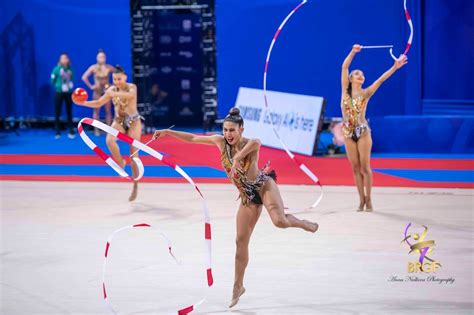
pixel 119 69
pixel 100 50
pixel 234 111
pixel 234 116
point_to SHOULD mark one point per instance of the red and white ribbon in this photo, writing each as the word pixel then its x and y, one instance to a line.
pixel 114 132
pixel 139 145
pixel 410 39
pixel 107 250
pixel 300 164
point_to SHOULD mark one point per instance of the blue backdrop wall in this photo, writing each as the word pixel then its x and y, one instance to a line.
pixel 306 59
pixel 427 106
pixel 78 27
pixel 308 55
pixel 309 52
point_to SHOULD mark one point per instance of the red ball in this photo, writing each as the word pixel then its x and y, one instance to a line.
pixel 79 95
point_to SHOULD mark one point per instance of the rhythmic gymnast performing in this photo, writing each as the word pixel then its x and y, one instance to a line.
pixel 101 71
pixel 127 119
pixel 257 188
pixel 357 134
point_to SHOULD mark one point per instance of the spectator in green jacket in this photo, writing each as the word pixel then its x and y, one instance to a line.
pixel 61 79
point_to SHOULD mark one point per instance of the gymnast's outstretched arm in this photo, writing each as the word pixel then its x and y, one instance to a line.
pixel 345 66
pixel 400 62
pixel 190 137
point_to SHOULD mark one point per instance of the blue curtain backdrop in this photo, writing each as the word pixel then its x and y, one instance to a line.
pixel 308 55
pixel 448 49
pixel 306 59
pixel 78 27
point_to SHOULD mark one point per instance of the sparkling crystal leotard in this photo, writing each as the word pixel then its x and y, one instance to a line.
pixel 249 190
pixel 353 113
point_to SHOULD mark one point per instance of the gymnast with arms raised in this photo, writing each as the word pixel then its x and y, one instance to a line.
pixel 356 130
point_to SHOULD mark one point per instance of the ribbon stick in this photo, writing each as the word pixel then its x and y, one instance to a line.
pixel 376 47
pixel 151 140
pixel 302 166
pixel 123 137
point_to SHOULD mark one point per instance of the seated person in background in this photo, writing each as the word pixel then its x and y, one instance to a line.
pixel 157 107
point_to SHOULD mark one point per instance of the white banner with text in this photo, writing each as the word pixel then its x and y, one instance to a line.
pixel 296 118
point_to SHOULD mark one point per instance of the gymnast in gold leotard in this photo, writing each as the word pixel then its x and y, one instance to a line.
pixel 356 130
pixel 101 72
pixel 127 119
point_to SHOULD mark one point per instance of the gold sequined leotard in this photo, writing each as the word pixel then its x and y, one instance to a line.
pixel 249 191
pixel 121 115
pixel 101 79
pixel 353 112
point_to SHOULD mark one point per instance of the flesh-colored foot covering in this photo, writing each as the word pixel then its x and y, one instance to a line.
pixel 236 296
pixel 369 207
pixel 134 193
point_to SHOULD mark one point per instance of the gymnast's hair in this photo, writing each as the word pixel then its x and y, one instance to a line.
pixel 349 87
pixel 234 116
pixel 119 69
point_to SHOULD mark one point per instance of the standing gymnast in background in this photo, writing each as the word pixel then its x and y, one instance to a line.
pixel 257 188
pixel 101 71
pixel 127 119
pixel 358 140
